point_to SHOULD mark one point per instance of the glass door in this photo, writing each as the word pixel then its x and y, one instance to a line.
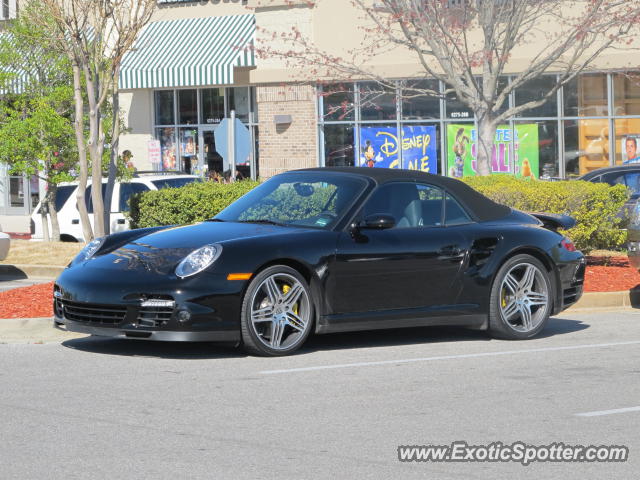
pixel 16 198
pixel 210 159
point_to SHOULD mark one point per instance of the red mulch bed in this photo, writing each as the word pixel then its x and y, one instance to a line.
pixel 604 274
pixel 27 302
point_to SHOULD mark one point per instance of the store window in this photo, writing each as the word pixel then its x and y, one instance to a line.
pixel 420 99
pixel 187 107
pixel 586 145
pixel 195 141
pixel 338 102
pixel 212 105
pixel 376 102
pixel 239 101
pixel 626 90
pixel 339 146
pixel 535 90
pixel 586 96
pixel 456 109
pixel 164 107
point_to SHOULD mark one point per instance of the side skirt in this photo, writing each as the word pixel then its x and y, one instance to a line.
pixel 458 315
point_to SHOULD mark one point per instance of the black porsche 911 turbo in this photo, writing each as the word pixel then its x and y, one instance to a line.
pixel 327 250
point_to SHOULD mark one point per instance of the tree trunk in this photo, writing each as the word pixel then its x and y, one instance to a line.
pixel 485 144
pixel 55 225
pixel 45 221
pixel 113 154
pixel 95 153
pixel 82 153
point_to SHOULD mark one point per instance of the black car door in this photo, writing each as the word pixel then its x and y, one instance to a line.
pixel 414 264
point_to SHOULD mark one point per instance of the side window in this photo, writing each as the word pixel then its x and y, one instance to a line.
pixel 431 205
pixel 126 190
pixel 410 204
pixel 87 197
pixel 613 178
pixel 62 195
pixel 633 182
pixel 454 213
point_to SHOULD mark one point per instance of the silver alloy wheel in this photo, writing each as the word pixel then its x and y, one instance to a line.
pixel 524 297
pixel 280 311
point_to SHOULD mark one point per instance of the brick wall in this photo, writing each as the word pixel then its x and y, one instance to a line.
pixel 289 146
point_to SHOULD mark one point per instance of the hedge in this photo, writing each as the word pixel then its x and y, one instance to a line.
pixel 192 203
pixel 594 205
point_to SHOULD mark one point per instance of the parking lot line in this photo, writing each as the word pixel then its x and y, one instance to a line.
pixel 449 357
pixel 599 413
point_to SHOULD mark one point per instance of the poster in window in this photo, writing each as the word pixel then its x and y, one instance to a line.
pixel 630 150
pixel 168 148
pixel 188 142
pixel 380 147
pixel 514 152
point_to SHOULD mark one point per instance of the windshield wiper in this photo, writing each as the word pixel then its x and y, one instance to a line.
pixel 265 222
pixel 214 220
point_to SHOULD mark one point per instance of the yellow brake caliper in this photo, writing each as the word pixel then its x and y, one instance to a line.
pixel 504 298
pixel 285 289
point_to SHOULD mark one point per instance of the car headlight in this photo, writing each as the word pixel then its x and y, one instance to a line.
pixel 198 260
pixel 89 250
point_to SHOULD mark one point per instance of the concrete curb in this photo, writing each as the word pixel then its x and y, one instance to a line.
pixel 41 330
pixel 596 300
pixel 30 271
pixel 33 330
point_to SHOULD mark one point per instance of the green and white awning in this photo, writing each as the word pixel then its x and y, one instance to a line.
pixel 189 52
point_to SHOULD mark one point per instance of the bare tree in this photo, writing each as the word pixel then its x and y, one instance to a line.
pixel 467 44
pixel 95 35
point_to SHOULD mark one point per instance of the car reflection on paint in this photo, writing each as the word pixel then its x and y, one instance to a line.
pixel 328 250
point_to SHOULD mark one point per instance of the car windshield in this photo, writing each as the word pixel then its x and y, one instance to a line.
pixel 309 199
pixel 173 182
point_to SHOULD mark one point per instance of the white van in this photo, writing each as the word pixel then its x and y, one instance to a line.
pixel 69 216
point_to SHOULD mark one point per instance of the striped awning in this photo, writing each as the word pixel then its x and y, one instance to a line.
pixel 189 52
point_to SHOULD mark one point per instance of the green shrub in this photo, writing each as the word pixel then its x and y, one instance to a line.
pixel 189 204
pixel 593 205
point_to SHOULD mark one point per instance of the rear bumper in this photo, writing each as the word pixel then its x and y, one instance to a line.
pixel 571 283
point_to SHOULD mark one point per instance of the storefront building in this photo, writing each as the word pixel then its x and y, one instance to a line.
pixel 196 98
pixel 177 113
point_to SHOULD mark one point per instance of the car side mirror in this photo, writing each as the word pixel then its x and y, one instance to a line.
pixel 378 221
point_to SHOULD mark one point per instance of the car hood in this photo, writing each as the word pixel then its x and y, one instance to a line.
pixel 159 252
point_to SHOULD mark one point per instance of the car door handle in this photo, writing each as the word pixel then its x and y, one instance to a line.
pixel 75 221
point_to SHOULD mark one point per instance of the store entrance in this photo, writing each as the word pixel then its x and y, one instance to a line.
pixel 211 160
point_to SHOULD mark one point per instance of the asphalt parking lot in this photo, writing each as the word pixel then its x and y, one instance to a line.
pixel 102 408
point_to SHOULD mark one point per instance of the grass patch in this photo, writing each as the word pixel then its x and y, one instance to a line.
pixel 25 252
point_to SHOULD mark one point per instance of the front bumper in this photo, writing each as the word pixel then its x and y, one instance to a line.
pixel 162 309
pixel 147 334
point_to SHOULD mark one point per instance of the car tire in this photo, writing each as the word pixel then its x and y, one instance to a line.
pixel 277 312
pixel 521 299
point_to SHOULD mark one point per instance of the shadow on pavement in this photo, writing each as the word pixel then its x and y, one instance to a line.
pixel 335 341
pixel 9 273
pixel 142 348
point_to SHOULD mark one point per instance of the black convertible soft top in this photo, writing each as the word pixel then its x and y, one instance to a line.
pixel 480 207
